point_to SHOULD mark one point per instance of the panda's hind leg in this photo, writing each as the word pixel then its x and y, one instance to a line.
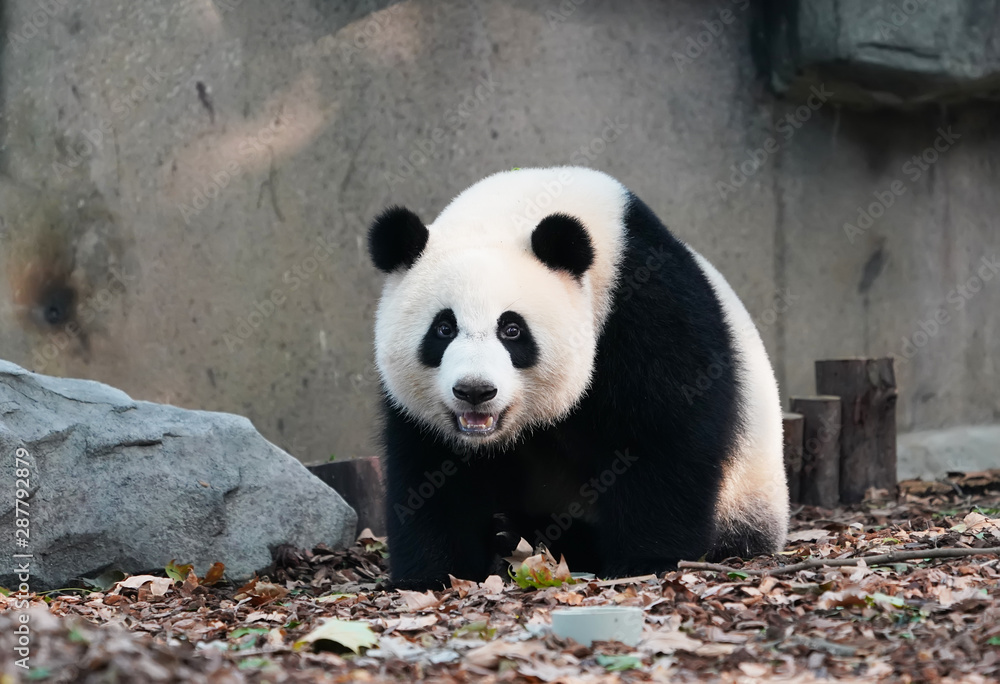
pixel 743 539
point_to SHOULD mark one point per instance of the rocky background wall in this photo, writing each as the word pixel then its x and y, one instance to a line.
pixel 185 187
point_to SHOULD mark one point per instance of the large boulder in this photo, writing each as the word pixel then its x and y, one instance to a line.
pixel 881 53
pixel 117 484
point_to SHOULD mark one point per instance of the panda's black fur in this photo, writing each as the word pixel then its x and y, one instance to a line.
pixel 660 453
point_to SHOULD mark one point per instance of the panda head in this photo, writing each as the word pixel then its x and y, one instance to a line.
pixel 487 326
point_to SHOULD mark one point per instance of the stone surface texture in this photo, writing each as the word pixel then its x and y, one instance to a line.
pixel 117 484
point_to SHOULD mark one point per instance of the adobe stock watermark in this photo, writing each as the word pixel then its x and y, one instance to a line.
pixel 987 269
pixel 786 127
pixel 47 11
pixel 23 467
pixel 375 25
pixel 589 152
pixel 432 483
pixel 219 180
pixel 589 492
pixel 540 205
pixel 914 169
pixel 265 307
pixel 697 45
pixel 706 377
pixel 899 17
pixel 422 151
pixel 122 107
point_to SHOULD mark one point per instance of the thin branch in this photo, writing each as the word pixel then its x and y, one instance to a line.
pixel 883 559
pixel 638 579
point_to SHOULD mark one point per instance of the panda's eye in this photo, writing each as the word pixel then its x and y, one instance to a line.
pixel 444 330
pixel 511 331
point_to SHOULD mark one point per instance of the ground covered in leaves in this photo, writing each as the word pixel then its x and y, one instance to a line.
pixel 319 616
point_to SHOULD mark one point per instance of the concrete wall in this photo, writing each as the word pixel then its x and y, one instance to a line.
pixel 168 167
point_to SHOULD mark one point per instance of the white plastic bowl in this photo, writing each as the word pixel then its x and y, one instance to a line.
pixel 587 624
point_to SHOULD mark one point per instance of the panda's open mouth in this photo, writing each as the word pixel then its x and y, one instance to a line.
pixel 476 423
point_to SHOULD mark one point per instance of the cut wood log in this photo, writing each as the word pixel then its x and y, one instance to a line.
pixel 819 484
pixel 792 425
pixel 359 482
pixel 867 391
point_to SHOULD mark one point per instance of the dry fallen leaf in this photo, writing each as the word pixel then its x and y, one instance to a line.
pixel 489 656
pixel 666 641
pixel 351 635
pixel 493 585
pixel 214 574
pixel 260 593
pixel 158 585
pixel 571 598
pixel 463 587
pixel 414 601
pixel 808 535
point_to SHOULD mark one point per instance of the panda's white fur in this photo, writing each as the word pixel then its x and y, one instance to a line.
pixel 478 261
pixel 758 464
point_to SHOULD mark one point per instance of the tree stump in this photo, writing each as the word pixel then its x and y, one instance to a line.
pixel 819 484
pixel 359 481
pixel 792 425
pixel 867 391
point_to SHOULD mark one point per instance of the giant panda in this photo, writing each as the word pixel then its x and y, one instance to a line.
pixel 556 365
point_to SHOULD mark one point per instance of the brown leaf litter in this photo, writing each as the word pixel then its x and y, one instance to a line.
pixel 919 620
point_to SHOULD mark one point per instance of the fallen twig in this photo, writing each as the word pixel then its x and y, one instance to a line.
pixel 883 559
pixel 638 579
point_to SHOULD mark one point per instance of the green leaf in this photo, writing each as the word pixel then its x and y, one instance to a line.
pixel 377 547
pixel 896 601
pixel 177 573
pixel 5 591
pixel 538 578
pixel 350 635
pixel 619 663
pixel 254 663
pixel 737 574
pixel 37 673
pixel 333 457
pixel 76 636
pixel 479 628
pixel 993 641
pixel 104 581
pixel 243 631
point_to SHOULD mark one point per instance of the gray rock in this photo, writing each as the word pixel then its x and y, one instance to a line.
pixel 931 454
pixel 117 484
pixel 883 52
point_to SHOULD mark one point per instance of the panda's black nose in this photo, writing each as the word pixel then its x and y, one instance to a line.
pixel 474 394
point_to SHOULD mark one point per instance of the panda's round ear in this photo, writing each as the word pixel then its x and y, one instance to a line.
pixel 397 238
pixel 561 242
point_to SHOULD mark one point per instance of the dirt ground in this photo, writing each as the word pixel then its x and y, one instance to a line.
pixel 917 620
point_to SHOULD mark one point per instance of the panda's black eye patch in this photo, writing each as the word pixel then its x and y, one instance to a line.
pixel 441 332
pixel 514 335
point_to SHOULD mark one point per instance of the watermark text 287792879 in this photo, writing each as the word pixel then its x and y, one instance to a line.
pixel 22 559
